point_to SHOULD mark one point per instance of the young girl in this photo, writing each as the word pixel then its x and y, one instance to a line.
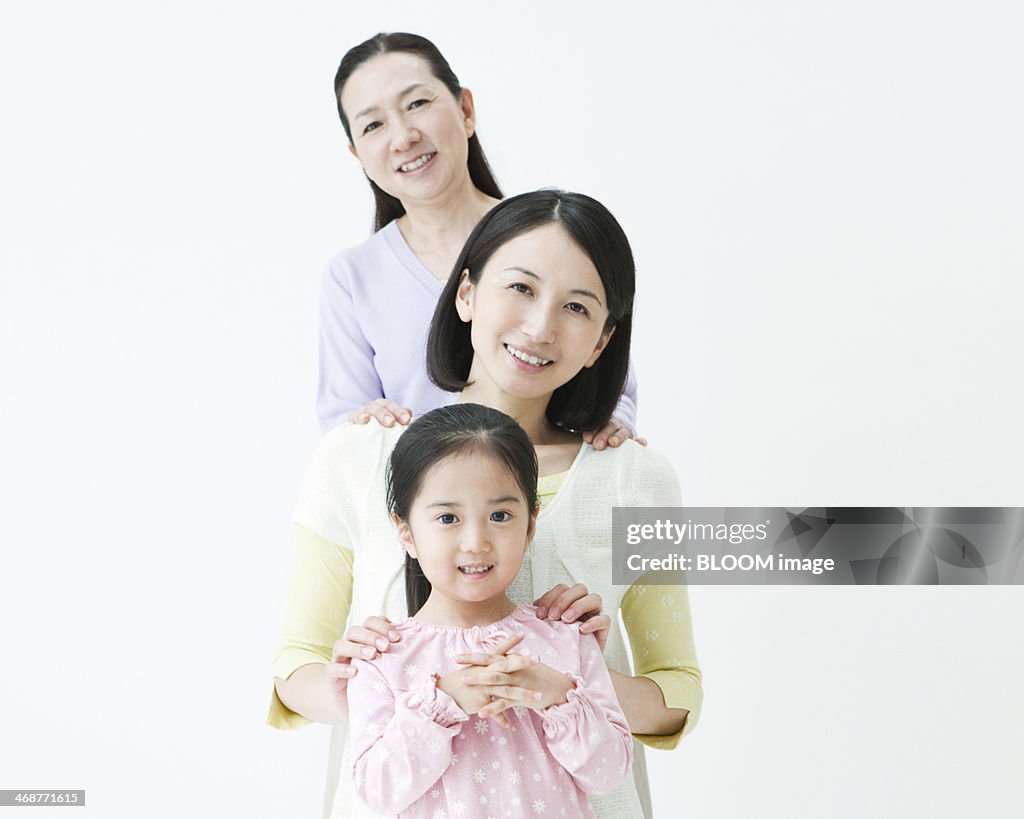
pixel 462 489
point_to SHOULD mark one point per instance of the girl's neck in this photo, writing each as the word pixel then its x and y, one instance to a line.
pixel 440 610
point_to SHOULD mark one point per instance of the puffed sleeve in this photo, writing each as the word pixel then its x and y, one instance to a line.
pixel 400 745
pixel 316 608
pixel 348 379
pixel 588 734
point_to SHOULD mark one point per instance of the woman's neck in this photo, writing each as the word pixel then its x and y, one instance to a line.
pixel 439 228
pixel 529 413
pixel 440 610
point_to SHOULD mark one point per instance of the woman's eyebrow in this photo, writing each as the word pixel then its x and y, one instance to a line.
pixel 533 275
pixel 407 90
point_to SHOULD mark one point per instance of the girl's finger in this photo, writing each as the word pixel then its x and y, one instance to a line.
pixel 514 662
pixel 494 709
pixel 514 694
pixel 495 655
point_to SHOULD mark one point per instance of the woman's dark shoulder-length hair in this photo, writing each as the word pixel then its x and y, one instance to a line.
pixel 441 433
pixel 585 403
pixel 386 206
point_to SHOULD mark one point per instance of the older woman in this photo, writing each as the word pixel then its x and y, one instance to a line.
pixel 413 128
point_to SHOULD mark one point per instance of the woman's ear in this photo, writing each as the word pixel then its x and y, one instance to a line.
pixel 468 111
pixel 599 348
pixel 405 535
pixel 352 150
pixel 464 297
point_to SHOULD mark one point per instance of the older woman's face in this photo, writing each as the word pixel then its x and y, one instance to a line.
pixel 408 131
pixel 538 314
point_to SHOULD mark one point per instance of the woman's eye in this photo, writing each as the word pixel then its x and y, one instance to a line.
pixel 501 517
pixel 519 287
pixel 447 519
pixel 417 104
pixel 373 126
pixel 576 307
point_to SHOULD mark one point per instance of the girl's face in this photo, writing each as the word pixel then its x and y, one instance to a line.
pixel 408 131
pixel 468 527
pixel 538 314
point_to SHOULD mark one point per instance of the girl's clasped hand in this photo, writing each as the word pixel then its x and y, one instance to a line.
pixel 564 603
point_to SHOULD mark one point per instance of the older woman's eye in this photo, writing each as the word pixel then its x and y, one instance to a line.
pixel 519 287
pixel 417 104
pixel 372 126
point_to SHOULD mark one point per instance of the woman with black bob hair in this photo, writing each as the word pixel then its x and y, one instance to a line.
pixel 412 126
pixel 535 322
pixel 586 402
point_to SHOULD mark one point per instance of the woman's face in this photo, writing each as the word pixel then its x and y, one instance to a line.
pixel 538 314
pixel 408 131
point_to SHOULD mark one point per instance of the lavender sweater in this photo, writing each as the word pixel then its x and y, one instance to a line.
pixel 376 303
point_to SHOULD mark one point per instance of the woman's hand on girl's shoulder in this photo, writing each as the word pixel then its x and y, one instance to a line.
pixel 386 411
pixel 575 603
pixel 613 434
pixel 363 642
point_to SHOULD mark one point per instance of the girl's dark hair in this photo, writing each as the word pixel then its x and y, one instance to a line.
pixel 388 207
pixel 454 430
pixel 585 402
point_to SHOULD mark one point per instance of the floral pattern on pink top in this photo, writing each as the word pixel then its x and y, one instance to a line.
pixel 417 754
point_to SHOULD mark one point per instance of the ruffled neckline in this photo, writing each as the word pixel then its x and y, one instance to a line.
pixel 518 615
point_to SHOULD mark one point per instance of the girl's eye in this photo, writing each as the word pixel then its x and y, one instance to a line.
pixel 447 518
pixel 501 517
pixel 576 307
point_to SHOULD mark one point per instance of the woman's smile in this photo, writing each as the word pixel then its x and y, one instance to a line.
pixel 537 315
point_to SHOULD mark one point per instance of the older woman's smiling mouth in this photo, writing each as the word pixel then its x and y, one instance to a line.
pixel 417 163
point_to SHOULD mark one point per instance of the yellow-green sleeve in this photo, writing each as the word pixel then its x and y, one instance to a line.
pixel 317 606
pixel 657 620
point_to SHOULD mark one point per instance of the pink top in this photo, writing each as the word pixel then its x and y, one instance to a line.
pixel 417 754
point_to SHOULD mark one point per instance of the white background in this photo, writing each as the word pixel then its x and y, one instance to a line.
pixel 825 204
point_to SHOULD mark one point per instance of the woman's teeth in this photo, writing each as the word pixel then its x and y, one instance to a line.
pixel 529 359
pixel 416 164
pixel 474 569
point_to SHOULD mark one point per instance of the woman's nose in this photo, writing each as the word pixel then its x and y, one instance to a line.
pixel 403 136
pixel 539 325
